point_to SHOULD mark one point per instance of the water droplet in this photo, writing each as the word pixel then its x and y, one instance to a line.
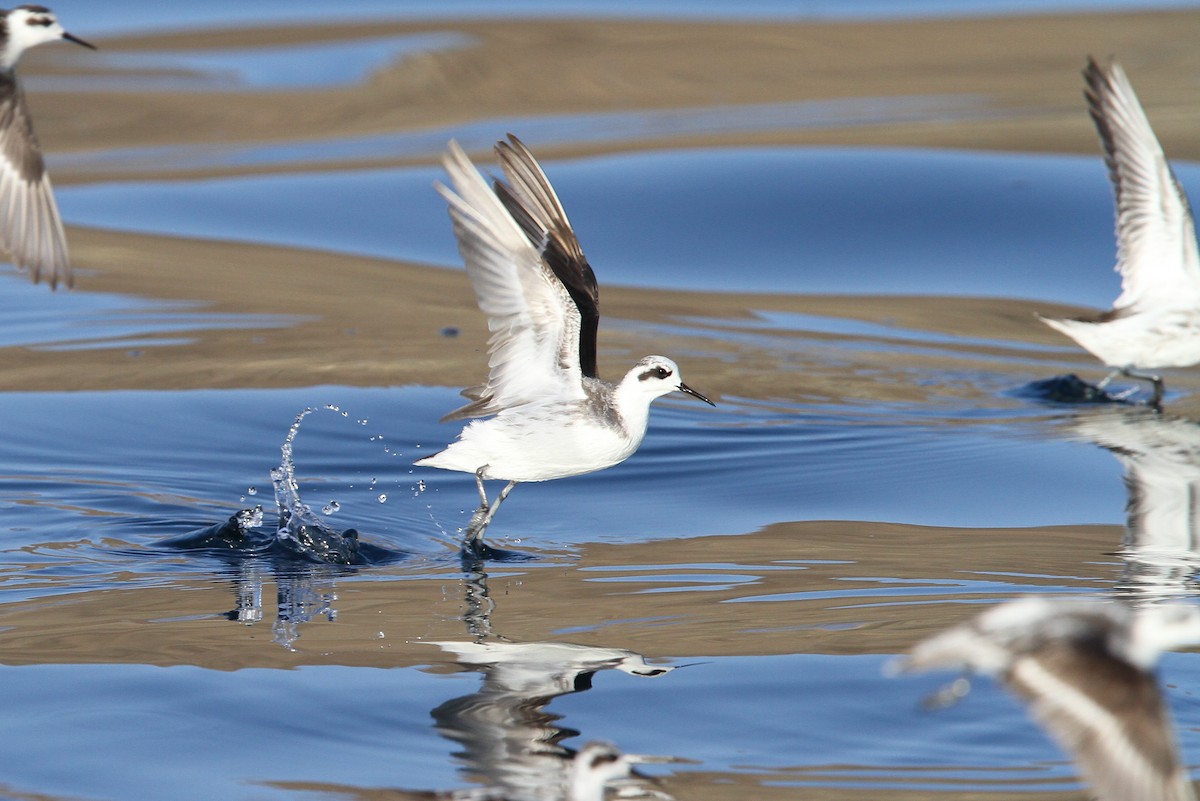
pixel 421 485
pixel 252 490
pixel 383 497
pixel 331 507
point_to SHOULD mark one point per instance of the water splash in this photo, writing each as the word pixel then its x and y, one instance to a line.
pixel 300 529
pixel 287 489
pixel 248 519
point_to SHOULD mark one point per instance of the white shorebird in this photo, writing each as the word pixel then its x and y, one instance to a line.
pixel 549 415
pixel 1085 669
pixel 1155 322
pixel 30 227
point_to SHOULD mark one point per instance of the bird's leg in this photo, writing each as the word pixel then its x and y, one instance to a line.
pixel 1108 378
pixel 486 511
pixel 1155 381
pixel 483 501
pixel 503 494
pixel 481 518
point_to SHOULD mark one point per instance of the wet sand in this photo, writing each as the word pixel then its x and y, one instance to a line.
pixel 829 557
pixel 378 323
pixel 1026 69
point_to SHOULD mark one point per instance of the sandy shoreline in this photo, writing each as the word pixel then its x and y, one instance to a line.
pixel 371 322
pixel 1025 68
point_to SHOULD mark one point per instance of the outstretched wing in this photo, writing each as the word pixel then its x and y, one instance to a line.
pixel 1156 235
pixel 30 227
pixel 534 324
pixel 531 200
pixel 1109 716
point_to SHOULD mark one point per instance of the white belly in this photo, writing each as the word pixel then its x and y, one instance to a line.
pixel 537 444
pixel 1141 341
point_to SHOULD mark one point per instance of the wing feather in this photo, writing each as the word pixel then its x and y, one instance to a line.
pixel 1109 716
pixel 1156 235
pixel 31 229
pixel 526 305
pixel 531 200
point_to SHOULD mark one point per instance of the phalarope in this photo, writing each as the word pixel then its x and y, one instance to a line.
pixel 30 227
pixel 1085 669
pixel 1155 322
pixel 548 414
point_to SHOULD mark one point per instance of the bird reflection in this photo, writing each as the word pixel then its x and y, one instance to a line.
pixel 596 767
pixel 509 742
pixel 1084 667
pixel 1161 458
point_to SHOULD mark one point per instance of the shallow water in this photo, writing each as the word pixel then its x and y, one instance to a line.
pixel 728 596
pixel 927 222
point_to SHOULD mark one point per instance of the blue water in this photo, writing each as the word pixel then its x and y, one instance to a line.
pixel 760 561
pixel 819 220
pixel 479 135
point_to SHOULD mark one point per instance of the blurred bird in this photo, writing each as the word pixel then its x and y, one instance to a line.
pixel 30 228
pixel 553 416
pixel 1084 667
pixel 1155 322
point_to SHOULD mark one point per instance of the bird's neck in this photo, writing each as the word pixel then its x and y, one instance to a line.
pixel 632 407
pixel 15 46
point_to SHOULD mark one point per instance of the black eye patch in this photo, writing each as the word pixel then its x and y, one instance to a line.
pixel 43 22
pixel 655 372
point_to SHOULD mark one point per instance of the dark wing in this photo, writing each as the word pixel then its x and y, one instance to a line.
pixel 30 227
pixel 531 201
pixel 1108 715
